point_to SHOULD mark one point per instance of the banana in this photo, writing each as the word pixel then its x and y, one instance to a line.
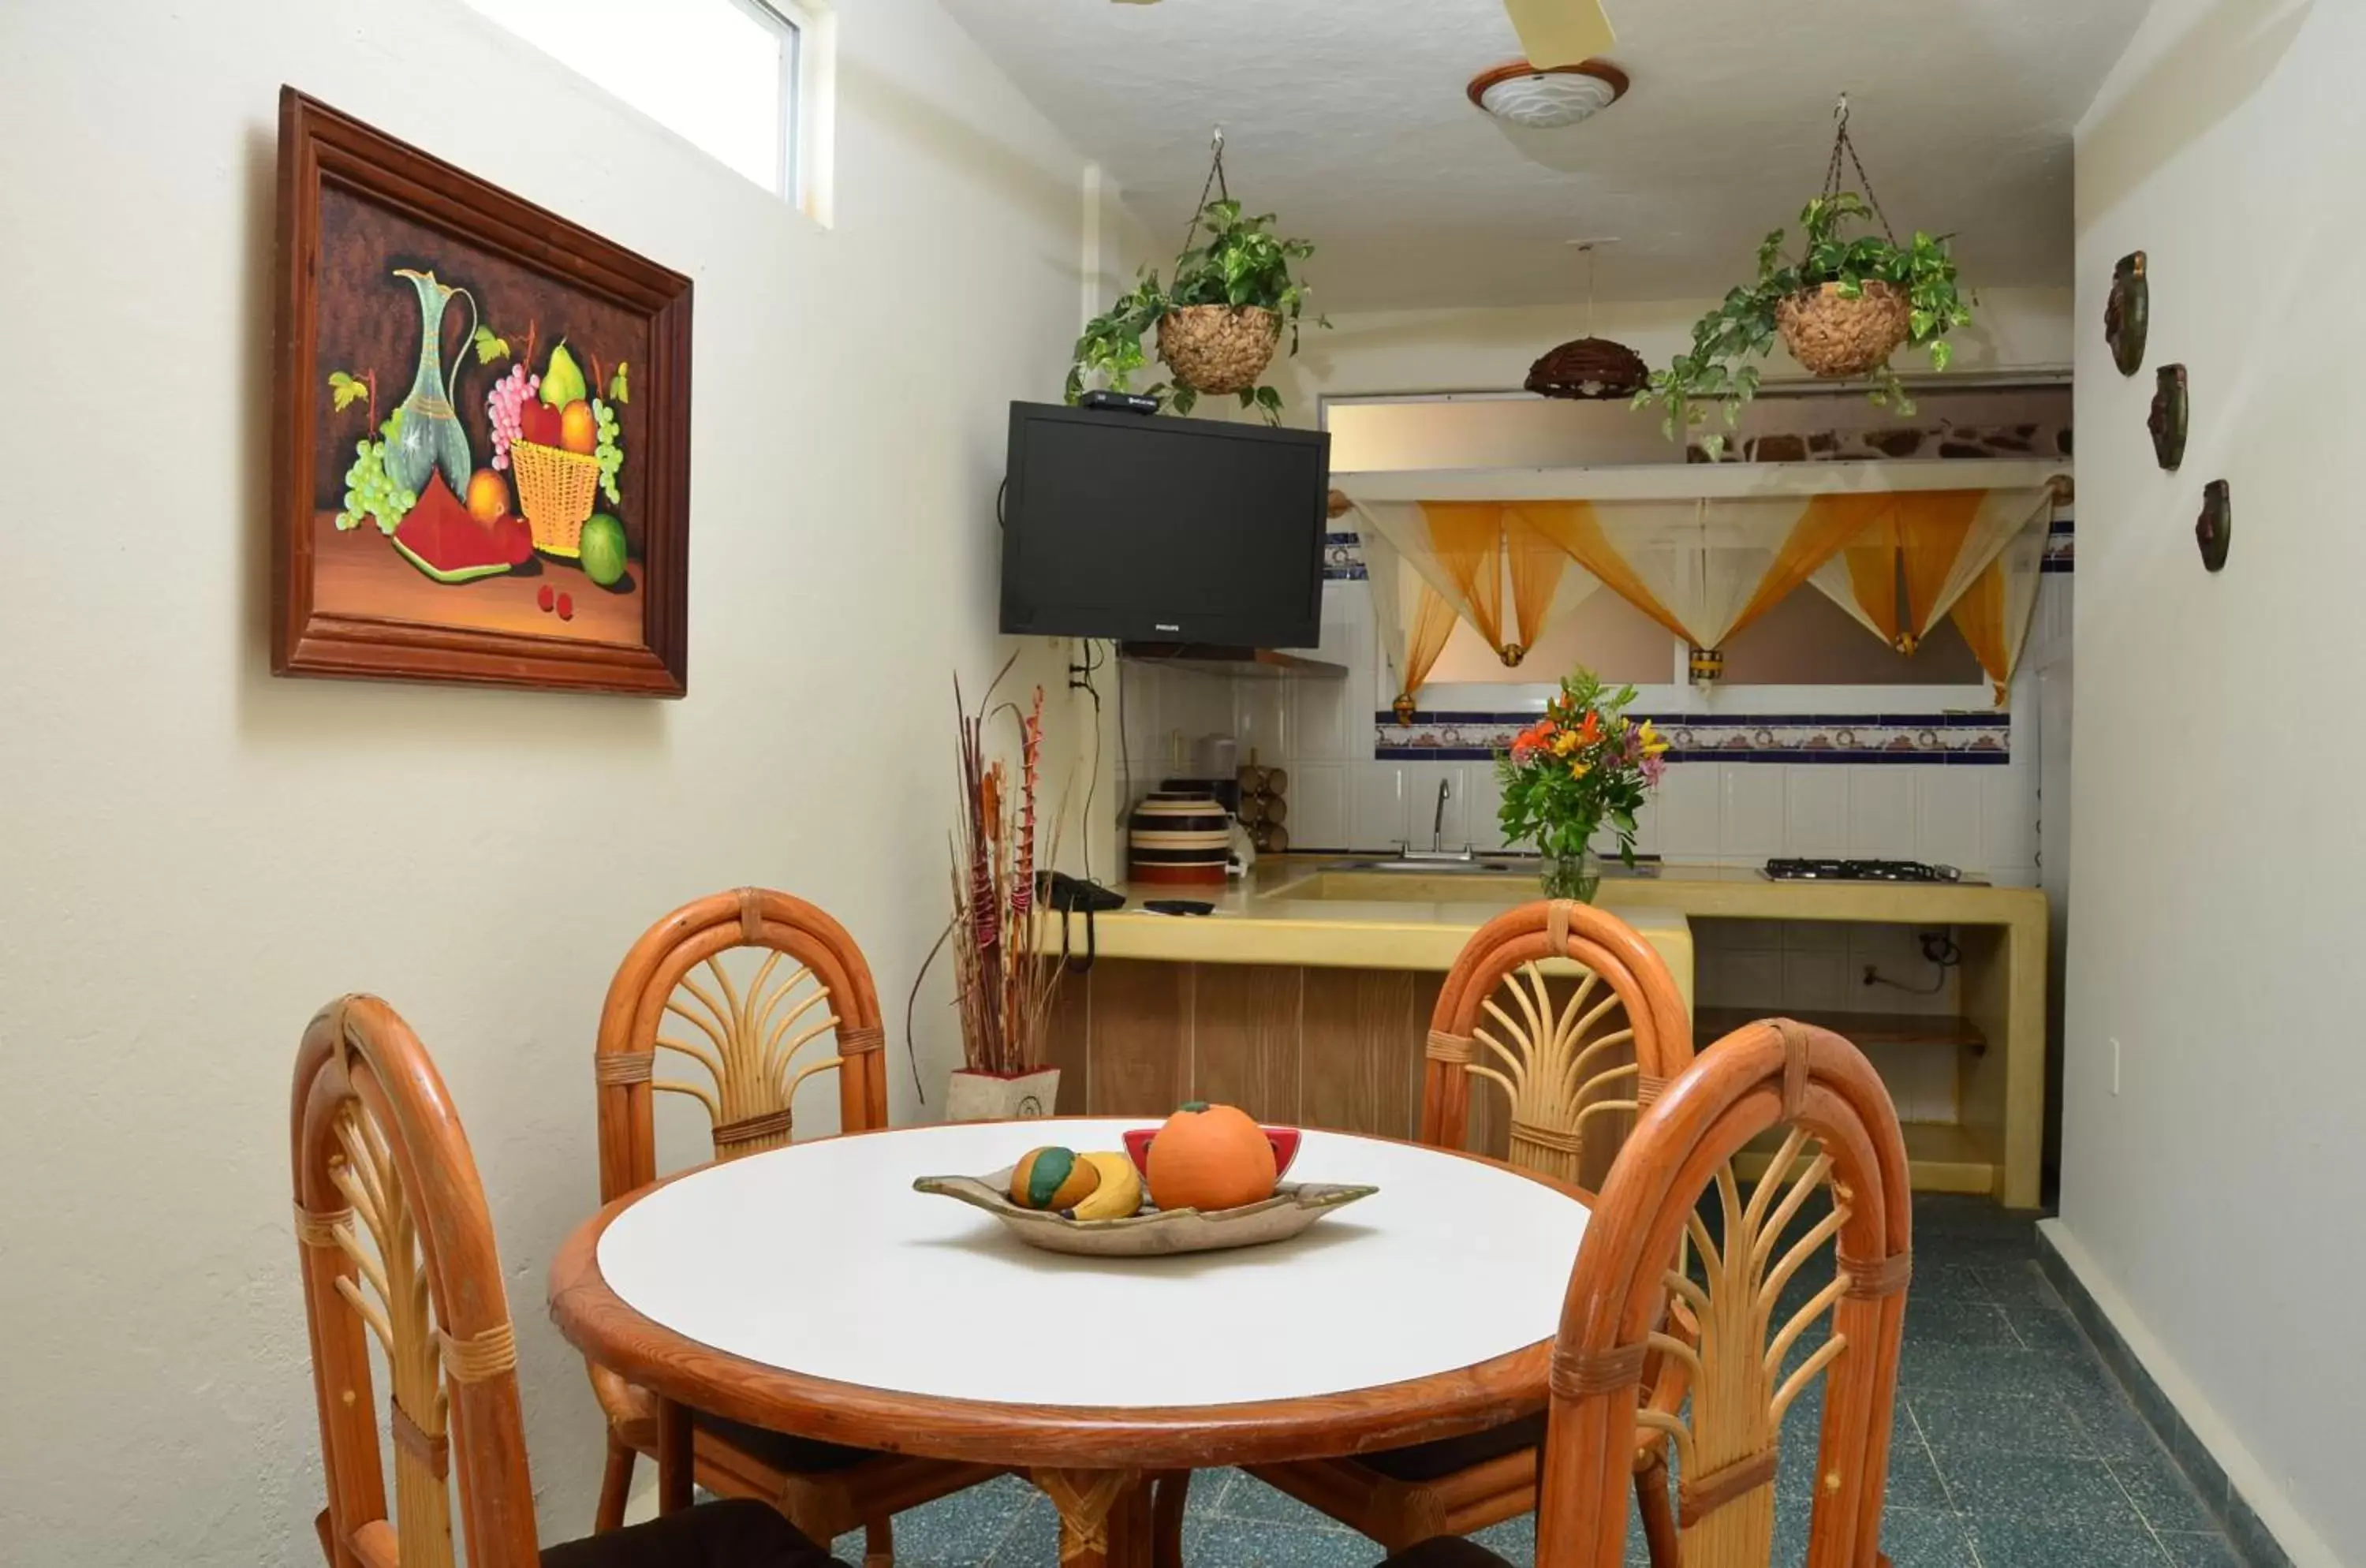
pixel 1119 1196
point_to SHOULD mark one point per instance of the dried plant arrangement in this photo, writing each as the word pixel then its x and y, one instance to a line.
pixel 1004 983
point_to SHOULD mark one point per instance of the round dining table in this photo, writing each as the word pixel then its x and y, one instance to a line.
pixel 811 1291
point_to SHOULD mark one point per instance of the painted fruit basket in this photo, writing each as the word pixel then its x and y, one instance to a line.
pixel 555 490
pixel 1157 1233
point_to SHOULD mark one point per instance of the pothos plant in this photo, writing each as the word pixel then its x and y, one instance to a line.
pixel 1721 367
pixel 1242 263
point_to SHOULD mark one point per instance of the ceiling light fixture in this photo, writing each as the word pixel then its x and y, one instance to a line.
pixel 1546 98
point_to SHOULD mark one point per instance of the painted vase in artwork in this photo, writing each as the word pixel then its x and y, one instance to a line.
pixel 432 438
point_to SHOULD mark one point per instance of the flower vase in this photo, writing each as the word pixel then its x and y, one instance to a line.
pixel 1573 876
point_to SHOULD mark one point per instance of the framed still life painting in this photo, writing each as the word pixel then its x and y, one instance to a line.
pixel 481 430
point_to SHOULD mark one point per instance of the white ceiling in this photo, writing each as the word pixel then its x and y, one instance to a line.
pixel 1348 117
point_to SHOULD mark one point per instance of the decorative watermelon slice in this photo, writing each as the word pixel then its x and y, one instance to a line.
pixel 444 541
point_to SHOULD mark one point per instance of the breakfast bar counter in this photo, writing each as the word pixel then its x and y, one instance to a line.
pixel 1297 912
pixel 1306 996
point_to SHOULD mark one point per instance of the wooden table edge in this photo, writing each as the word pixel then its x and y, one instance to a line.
pixel 612 1334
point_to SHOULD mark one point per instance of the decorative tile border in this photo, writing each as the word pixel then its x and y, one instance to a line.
pixel 2246 1533
pixel 1343 558
pixel 2061 545
pixel 1951 739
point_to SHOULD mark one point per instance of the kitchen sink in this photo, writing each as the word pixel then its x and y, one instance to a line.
pixel 1392 879
pixel 1384 880
pixel 1442 866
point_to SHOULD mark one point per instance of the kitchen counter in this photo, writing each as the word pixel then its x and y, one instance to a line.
pixel 1306 993
pixel 1294 912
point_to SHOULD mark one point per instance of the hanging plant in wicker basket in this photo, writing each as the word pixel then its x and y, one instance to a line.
pixel 1842 307
pixel 1218 349
pixel 1221 322
pixel 1834 333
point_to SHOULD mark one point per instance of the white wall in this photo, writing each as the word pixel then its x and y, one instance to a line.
pixel 194 856
pixel 2215 1193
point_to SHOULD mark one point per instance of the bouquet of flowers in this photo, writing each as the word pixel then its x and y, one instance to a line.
pixel 1583 763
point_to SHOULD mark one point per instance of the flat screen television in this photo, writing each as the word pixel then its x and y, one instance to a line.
pixel 1158 529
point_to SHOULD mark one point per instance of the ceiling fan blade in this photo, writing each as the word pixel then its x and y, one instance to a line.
pixel 1559 32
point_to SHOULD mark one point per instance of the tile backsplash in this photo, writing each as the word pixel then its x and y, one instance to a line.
pixel 1955 788
pixel 1343 795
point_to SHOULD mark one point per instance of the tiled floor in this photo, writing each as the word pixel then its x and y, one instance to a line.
pixel 2013 1448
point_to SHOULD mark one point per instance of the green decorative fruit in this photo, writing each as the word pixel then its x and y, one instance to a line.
pixel 1053 1178
pixel 563 383
pixel 603 545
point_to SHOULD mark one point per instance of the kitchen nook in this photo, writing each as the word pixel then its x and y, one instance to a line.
pixel 1182 784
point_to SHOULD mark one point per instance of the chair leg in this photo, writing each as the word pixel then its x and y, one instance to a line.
pixel 1171 1491
pixel 879 1542
pixel 615 1485
pixel 1659 1515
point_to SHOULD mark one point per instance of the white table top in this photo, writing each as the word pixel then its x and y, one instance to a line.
pixel 819 1258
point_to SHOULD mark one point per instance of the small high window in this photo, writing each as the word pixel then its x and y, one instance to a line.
pixel 739 79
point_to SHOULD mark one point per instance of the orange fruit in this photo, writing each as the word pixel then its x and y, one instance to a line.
pixel 577 430
pixel 487 496
pixel 1210 1156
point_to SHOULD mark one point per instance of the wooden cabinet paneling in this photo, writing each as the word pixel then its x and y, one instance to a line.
pixel 1140 1043
pixel 1361 1045
pixel 1338 1048
pixel 1066 1042
pixel 1244 1034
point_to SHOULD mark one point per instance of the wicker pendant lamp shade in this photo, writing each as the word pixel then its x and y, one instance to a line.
pixel 1589 366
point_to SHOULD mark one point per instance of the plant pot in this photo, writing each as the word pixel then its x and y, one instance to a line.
pixel 1216 349
pixel 1001 1096
pixel 1833 335
pixel 1575 877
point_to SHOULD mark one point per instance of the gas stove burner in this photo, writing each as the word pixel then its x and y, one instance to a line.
pixel 1859 871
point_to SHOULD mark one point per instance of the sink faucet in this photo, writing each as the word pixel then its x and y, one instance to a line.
pixel 1438 820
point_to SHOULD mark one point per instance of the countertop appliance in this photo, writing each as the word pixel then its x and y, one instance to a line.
pixel 1859 871
pixel 1165 530
pixel 1180 837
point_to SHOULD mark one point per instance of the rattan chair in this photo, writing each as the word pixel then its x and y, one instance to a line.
pixel 1745 1282
pixel 396 1245
pixel 1574 1060
pixel 674 993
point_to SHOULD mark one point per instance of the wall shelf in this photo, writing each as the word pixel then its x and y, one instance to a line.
pixel 1209 659
pixel 1700 481
pixel 1712 1024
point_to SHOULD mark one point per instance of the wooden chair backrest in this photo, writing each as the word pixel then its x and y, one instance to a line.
pixel 750 1041
pixel 396 1245
pixel 1568 1068
pixel 1820 1091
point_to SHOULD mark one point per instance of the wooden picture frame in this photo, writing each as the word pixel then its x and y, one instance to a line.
pixel 518 581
